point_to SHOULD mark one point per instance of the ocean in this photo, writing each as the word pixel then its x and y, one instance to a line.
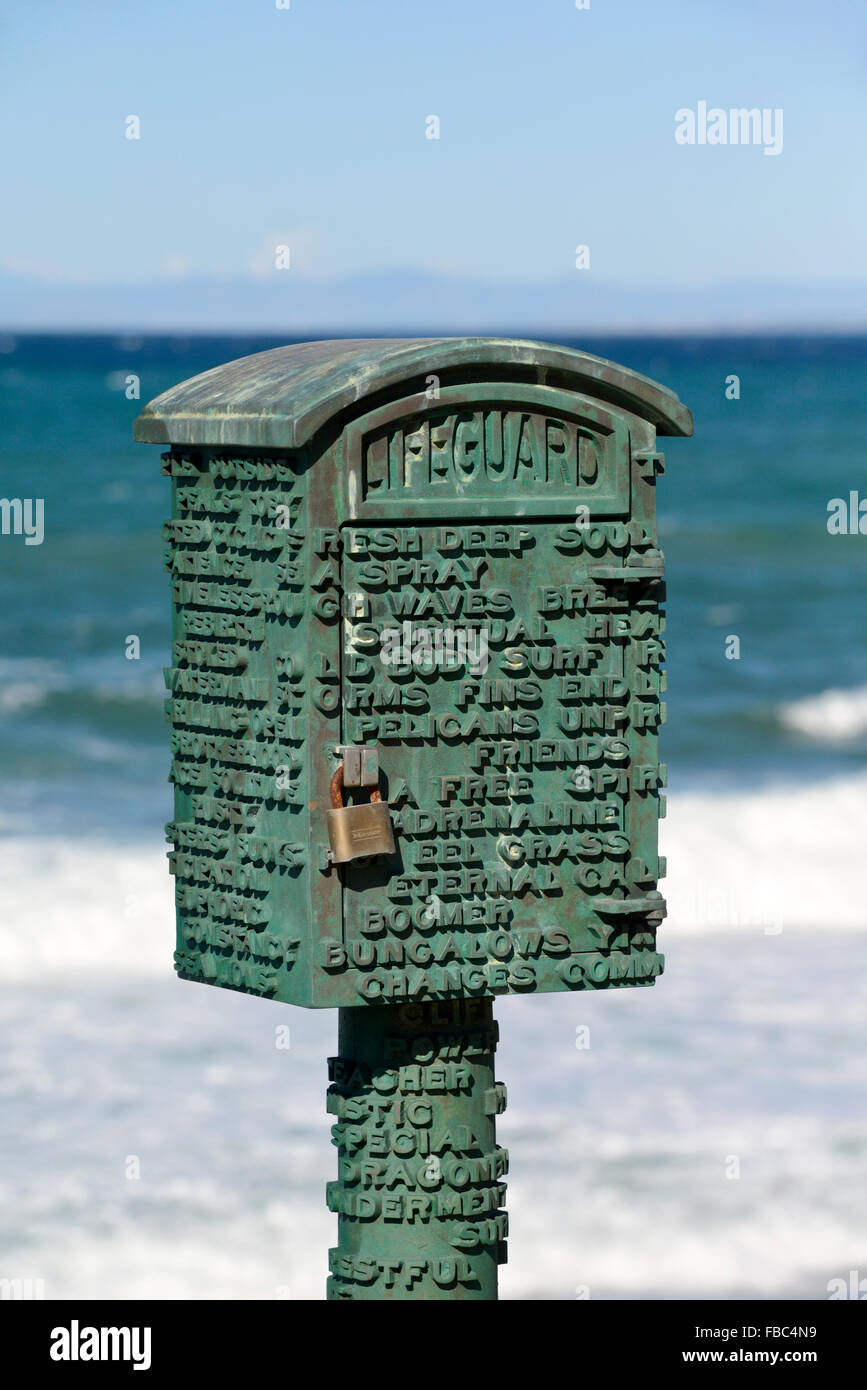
pixel 709 1142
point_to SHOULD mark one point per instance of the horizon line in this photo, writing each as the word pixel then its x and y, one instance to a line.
pixel 314 334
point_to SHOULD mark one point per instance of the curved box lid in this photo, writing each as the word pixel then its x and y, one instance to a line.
pixel 280 398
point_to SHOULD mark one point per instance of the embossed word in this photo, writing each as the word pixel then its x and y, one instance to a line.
pixel 436 649
pixel 479 448
pixel 738 126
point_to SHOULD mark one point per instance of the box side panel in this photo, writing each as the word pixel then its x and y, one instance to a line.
pixel 239 709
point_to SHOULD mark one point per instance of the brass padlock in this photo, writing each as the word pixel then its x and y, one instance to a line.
pixel 359 830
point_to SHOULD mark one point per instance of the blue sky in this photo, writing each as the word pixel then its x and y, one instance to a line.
pixel 306 126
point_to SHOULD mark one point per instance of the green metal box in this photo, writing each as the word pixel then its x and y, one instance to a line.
pixel 443 550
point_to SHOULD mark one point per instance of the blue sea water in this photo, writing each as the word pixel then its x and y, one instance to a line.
pixel 752 1044
pixel 743 510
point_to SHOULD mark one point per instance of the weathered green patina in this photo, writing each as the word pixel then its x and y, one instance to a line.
pixel 420 1191
pixel 443 552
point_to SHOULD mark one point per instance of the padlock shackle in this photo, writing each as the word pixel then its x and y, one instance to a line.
pixel 336 790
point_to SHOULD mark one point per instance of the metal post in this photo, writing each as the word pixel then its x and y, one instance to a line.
pixel 419 1190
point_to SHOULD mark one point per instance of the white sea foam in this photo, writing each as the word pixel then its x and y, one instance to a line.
pixel 761 862
pixel 832 717
pixel 599 1245
pixel 75 906
pixel 703 1145
pixel 767 860
pixel 21 695
pixel 26 683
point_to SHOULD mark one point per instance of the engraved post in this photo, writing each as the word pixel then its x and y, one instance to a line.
pixel 420 1188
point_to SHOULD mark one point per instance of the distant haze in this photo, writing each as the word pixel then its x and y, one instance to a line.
pixel 297 303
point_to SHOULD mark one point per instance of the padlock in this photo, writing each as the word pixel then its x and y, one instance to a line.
pixel 359 830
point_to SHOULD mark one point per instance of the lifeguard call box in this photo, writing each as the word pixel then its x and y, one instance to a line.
pixel 416 679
